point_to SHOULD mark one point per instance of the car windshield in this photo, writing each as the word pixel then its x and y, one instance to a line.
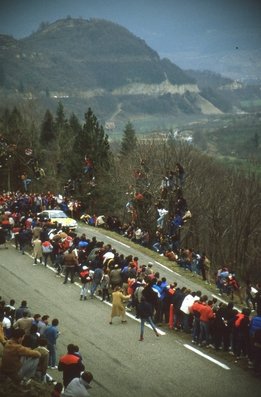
pixel 57 214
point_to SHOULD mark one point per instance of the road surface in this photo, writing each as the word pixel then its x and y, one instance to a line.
pixel 121 365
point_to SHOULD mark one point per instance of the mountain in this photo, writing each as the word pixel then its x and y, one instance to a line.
pixel 100 64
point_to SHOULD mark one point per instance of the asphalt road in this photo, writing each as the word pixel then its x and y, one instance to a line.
pixel 121 365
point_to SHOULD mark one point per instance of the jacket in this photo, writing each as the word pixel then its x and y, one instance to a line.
pixel 77 388
pixel 144 310
pixel 70 260
pixel 12 353
pixel 71 366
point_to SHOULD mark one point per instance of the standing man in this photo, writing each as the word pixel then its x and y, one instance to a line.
pixel 42 324
pixel 145 313
pixel 71 365
pixel 118 308
pixel 51 333
pixel 70 262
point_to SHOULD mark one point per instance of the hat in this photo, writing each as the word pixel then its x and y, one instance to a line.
pixel 84 268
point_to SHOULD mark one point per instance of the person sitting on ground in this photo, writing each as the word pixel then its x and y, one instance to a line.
pixel 19 362
pixel 78 387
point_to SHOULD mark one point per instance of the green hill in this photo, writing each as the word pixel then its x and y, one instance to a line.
pixel 76 54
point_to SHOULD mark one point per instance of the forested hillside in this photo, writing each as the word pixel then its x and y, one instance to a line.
pixel 78 160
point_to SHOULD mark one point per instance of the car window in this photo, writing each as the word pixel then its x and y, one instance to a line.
pixel 58 214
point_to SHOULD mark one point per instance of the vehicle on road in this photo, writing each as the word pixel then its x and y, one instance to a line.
pixel 58 216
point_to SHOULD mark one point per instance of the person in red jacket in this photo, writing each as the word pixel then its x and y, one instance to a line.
pixel 85 280
pixel 71 365
pixel 206 314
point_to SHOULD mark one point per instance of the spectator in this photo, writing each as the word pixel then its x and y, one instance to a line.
pixel 19 363
pixel 70 262
pixel 79 387
pixel 206 314
pixel 42 324
pixel 115 277
pixel 145 313
pixel 86 279
pixel 51 333
pixel 57 390
pixel 255 341
pixel 38 250
pixel 118 308
pixel 241 334
pixel 19 312
pixel 41 371
pixel 25 322
pixel 31 339
pixel 71 365
pixel 96 280
pixel 47 250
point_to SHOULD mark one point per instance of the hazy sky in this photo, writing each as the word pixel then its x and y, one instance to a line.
pixel 168 26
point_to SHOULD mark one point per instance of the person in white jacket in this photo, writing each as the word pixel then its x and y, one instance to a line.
pixel 162 213
pixel 78 387
pixel 186 304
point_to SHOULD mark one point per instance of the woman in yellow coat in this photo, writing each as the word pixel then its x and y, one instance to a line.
pixel 118 308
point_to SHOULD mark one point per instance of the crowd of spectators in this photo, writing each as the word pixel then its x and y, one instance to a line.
pixel 28 351
pixel 101 269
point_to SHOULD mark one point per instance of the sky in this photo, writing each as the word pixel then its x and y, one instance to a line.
pixel 176 29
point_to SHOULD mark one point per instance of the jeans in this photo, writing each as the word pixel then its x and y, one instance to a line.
pixel 157 247
pixel 52 354
pixel 196 329
pixel 142 323
pixel 204 332
pixel 84 290
pixel 93 288
pixel 28 368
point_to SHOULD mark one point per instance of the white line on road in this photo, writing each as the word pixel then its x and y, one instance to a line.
pixel 130 315
pixel 166 268
pixel 213 360
pixel 222 300
pixel 118 242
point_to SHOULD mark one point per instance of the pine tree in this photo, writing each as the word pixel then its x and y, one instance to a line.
pixel 92 142
pixel 47 134
pixel 129 140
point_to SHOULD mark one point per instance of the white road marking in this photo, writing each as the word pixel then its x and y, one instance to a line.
pixel 222 300
pixel 213 360
pixel 166 268
pixel 118 242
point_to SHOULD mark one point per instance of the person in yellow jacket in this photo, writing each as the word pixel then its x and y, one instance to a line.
pixel 19 362
pixel 118 308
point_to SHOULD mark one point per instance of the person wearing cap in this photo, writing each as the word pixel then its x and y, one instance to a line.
pixel 79 387
pixel 149 270
pixel 85 279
